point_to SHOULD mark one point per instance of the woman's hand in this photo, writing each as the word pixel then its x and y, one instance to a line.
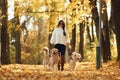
pixel 67 44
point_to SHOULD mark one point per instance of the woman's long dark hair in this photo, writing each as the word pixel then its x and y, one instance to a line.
pixel 61 21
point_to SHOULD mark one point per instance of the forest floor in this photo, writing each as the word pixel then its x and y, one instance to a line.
pixel 84 71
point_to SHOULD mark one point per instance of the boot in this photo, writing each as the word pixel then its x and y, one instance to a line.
pixel 59 65
pixel 62 62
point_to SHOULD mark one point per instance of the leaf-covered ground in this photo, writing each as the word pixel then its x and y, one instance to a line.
pixel 85 71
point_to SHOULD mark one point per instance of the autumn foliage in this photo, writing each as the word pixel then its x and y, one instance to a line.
pixel 84 71
pixel 32 25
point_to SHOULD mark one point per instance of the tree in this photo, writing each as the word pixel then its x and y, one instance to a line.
pixel 17 34
pixel 88 33
pixel 116 23
pixel 4 34
pixel 81 44
pixel 93 38
pixel 73 40
pixel 106 30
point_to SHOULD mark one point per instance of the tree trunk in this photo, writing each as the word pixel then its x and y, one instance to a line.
pixel 50 34
pixel 104 49
pixel 96 20
pixel 17 42
pixel 93 38
pixel 73 41
pixel 106 31
pixel 4 36
pixel 39 34
pixel 116 23
pixel 23 26
pixel 81 44
pixel 40 27
pixel 88 32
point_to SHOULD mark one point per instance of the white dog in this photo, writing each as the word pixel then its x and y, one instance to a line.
pixel 46 60
pixel 54 59
pixel 74 58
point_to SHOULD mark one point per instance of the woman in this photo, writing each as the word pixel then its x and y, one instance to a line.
pixel 60 40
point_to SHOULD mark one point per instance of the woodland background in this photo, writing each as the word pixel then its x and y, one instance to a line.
pixel 27 28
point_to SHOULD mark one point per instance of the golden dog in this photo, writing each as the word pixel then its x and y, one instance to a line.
pixel 54 59
pixel 74 58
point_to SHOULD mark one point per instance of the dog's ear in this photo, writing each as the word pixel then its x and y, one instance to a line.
pixel 56 50
pixel 79 57
pixel 74 53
